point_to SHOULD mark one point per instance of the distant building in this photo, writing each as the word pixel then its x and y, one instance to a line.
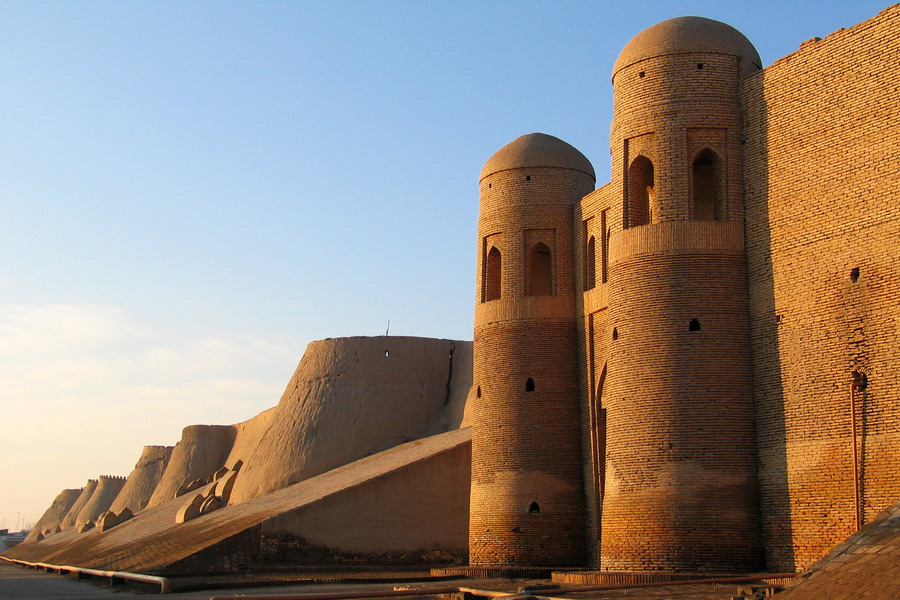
pixel 8 540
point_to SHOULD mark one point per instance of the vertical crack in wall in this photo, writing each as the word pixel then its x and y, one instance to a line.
pixel 449 375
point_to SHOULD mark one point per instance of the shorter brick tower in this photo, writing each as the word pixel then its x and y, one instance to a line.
pixel 527 502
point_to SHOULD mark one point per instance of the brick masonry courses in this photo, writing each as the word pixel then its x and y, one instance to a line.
pixel 527 499
pixel 821 155
pixel 674 473
pixel 677 491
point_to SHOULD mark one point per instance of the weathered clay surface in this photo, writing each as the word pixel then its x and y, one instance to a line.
pixel 152 541
pixel 143 479
pixel 106 491
pixel 224 485
pixel 86 492
pixel 349 398
pixel 107 521
pixel 191 508
pixel 51 518
pixel 200 453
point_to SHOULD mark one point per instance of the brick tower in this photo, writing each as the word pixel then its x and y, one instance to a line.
pixel 527 502
pixel 680 487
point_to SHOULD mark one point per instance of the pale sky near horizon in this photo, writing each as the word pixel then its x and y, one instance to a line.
pixel 190 192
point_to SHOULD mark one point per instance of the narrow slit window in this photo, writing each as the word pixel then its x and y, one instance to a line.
pixel 604 248
pixel 590 264
pixel 529 385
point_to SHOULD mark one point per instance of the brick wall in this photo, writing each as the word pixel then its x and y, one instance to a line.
pixel 232 555
pixel 822 149
pixel 593 215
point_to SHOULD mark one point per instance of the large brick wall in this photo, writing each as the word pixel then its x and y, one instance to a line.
pixel 822 149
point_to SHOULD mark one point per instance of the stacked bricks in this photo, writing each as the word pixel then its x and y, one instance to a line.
pixel 594 216
pixel 527 500
pixel 822 230
pixel 680 465
pixel 680 460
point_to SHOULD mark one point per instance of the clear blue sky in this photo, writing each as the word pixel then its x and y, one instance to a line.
pixel 191 192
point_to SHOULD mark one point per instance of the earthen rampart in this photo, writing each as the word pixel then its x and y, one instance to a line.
pixel 108 487
pixel 200 453
pixel 54 515
pixel 351 397
pixel 87 491
pixel 147 473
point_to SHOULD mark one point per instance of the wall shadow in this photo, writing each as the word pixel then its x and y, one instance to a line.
pixel 765 323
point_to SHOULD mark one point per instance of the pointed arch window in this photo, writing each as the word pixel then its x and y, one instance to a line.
pixel 492 275
pixel 590 264
pixel 540 271
pixel 707 184
pixel 640 192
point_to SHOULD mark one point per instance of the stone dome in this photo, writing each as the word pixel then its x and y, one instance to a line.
pixel 689 34
pixel 537 150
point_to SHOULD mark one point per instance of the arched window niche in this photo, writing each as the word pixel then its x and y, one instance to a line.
pixel 540 271
pixel 590 264
pixel 707 183
pixel 492 277
pixel 640 192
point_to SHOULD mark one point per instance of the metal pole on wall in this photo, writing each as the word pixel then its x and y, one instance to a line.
pixel 859 382
pixel 855 455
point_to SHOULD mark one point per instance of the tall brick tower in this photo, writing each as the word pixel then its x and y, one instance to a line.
pixel 680 487
pixel 527 506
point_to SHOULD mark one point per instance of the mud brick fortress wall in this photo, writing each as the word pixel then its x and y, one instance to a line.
pixel 694 367
pixel 823 243
pixel 719 298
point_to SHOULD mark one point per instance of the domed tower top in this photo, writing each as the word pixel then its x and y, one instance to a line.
pixel 537 150
pixel 683 35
